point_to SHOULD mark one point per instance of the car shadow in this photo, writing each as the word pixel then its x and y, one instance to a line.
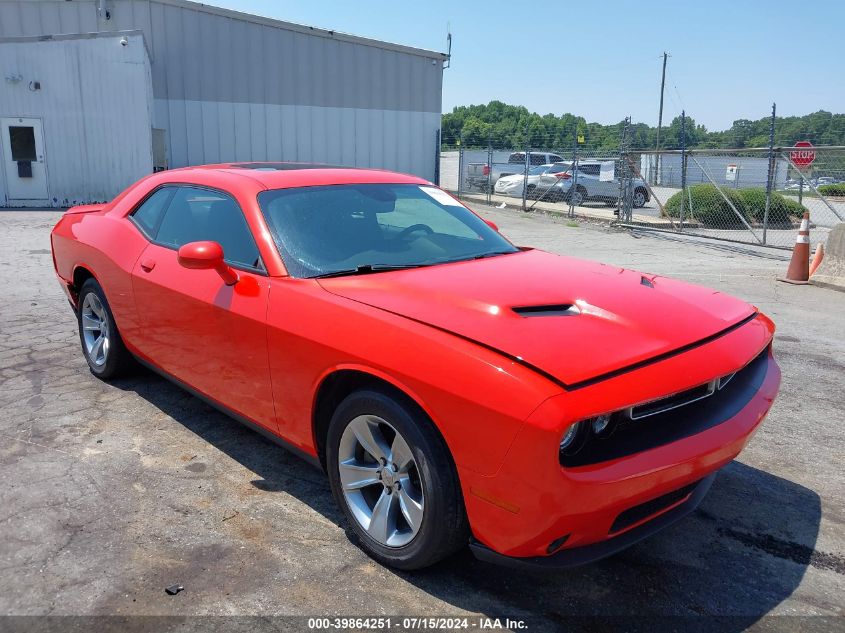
pixel 742 553
pixel 731 248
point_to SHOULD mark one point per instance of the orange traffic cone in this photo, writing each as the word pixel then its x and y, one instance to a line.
pixel 817 258
pixel 799 265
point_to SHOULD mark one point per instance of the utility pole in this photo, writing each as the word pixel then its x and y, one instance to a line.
pixel 657 177
pixel 662 87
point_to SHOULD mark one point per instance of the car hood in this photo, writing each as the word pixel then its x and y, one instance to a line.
pixel 572 319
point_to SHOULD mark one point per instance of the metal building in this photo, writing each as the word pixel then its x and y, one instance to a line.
pixel 97 93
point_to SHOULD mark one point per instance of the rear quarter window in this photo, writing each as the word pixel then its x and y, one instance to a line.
pixel 148 216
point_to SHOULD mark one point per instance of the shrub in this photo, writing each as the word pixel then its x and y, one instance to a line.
pixel 710 208
pixel 781 208
pixel 833 190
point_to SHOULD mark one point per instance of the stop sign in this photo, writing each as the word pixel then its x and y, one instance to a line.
pixel 805 156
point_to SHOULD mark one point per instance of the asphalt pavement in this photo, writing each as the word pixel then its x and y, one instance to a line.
pixel 113 492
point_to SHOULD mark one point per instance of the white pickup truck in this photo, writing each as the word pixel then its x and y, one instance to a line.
pixel 482 175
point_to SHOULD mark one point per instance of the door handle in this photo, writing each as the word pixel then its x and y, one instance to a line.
pixel 148 265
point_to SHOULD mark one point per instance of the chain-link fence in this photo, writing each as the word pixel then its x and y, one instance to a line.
pixel 543 175
pixel 751 195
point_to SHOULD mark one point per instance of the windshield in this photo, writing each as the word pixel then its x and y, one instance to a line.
pixel 358 228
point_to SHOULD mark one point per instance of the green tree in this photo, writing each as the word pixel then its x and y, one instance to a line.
pixel 510 126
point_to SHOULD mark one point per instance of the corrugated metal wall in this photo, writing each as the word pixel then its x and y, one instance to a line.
pixel 233 87
pixel 95 105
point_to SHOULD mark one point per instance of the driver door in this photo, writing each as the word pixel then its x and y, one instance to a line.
pixel 196 328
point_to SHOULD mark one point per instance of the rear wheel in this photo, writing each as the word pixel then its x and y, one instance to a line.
pixel 393 478
pixel 577 197
pixel 102 346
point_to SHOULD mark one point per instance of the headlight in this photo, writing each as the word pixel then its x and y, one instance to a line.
pixel 579 434
pixel 601 423
pixel 569 436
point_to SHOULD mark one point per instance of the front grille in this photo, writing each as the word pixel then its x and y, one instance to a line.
pixel 634 515
pixel 672 402
pixel 673 418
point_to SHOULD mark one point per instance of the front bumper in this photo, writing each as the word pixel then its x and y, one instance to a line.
pixel 532 507
pixel 585 554
pixel 513 190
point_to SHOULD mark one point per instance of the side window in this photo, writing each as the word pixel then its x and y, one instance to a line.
pixel 538 159
pixel 516 158
pixel 148 215
pixel 590 170
pixel 554 158
pixel 197 214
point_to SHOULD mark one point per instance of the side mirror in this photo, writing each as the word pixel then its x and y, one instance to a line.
pixel 206 256
pixel 492 225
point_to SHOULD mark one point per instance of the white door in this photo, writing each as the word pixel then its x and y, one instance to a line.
pixel 23 159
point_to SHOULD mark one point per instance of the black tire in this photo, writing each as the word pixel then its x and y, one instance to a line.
pixel 531 192
pixel 635 202
pixel 444 527
pixel 117 360
pixel 580 190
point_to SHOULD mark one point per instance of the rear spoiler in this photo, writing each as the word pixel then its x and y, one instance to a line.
pixel 85 208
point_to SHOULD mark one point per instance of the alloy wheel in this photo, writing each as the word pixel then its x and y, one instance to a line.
pixel 95 329
pixel 639 199
pixel 381 482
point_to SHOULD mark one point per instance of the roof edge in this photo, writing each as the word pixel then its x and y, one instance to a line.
pixel 303 28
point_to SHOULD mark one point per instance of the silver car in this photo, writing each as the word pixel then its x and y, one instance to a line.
pixel 590 185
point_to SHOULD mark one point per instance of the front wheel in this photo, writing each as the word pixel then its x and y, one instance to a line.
pixel 101 343
pixel 639 199
pixel 393 478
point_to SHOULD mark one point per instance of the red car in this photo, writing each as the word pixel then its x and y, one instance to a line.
pixel 455 388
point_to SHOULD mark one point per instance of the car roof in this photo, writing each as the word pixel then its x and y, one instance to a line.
pixel 280 175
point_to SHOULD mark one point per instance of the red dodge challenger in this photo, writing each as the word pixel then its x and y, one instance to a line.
pixel 456 389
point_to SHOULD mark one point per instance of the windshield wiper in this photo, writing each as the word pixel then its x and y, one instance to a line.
pixel 368 269
pixel 493 254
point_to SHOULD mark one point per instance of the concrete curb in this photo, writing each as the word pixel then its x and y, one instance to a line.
pixel 831 273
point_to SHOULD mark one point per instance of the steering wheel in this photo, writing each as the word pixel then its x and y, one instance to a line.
pixel 404 233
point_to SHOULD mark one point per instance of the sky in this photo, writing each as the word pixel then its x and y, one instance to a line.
pixel 601 59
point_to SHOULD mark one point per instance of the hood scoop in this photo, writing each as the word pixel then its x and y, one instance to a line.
pixel 556 309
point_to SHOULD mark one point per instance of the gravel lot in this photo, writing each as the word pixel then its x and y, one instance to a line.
pixel 113 492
